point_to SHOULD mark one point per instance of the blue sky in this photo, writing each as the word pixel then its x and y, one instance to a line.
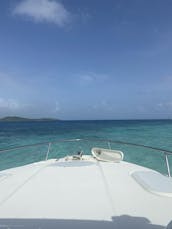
pixel 93 59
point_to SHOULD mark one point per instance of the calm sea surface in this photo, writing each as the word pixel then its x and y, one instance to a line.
pixel 156 133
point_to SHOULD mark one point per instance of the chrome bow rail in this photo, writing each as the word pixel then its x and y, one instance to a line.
pixel 108 141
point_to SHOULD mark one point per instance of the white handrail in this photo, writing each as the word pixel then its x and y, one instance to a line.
pixel 93 140
pixel 49 145
pixel 167 164
pixel 166 152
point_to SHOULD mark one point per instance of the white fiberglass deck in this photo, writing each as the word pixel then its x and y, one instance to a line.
pixel 80 194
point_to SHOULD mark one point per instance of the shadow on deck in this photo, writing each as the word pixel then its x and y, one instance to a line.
pixel 119 222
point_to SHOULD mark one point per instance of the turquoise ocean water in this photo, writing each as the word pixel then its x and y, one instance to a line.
pixel 157 133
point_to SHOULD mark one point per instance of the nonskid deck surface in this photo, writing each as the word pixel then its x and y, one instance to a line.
pixel 86 192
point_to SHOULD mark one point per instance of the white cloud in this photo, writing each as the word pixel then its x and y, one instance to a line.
pixel 167 79
pixel 103 105
pixel 49 11
pixel 10 104
pixel 88 78
pixel 13 105
pixel 141 109
pixel 159 105
pixel 57 106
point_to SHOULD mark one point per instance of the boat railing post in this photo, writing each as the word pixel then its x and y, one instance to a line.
pixel 109 145
pixel 49 145
pixel 167 164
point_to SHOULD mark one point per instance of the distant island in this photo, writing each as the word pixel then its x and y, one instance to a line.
pixel 21 119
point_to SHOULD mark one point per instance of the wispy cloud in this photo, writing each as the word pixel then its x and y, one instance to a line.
pixel 165 105
pixel 50 11
pixel 93 77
